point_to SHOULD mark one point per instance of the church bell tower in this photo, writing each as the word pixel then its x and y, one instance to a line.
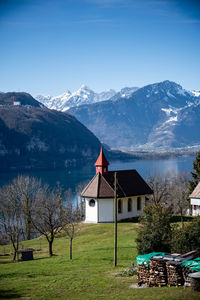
pixel 101 163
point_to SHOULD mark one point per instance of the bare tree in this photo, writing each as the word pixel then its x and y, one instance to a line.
pixel 11 217
pixel 160 184
pixel 171 190
pixel 179 193
pixel 27 188
pixel 48 217
pixel 73 216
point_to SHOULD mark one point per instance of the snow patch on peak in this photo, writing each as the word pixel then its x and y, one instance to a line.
pixel 196 93
pixel 171 114
pixel 168 111
pixel 172 119
pixel 170 95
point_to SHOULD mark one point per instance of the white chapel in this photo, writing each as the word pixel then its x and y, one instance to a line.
pixel 132 193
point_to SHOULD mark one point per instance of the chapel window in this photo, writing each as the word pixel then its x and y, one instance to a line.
pixel 119 206
pixel 139 203
pixel 92 203
pixel 129 204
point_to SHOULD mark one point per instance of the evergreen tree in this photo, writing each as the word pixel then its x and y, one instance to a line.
pixel 196 174
pixel 154 233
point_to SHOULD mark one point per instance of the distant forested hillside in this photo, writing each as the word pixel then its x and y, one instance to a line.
pixel 33 137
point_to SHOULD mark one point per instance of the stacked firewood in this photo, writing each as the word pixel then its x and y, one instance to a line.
pixel 163 270
pixel 143 274
pixel 158 272
pixel 186 272
pixel 174 269
pixel 174 273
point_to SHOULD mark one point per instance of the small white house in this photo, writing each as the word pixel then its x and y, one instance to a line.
pixel 16 103
pixel 132 192
pixel 195 200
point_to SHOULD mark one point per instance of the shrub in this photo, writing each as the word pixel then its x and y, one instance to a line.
pixel 186 239
pixel 155 231
pixel 130 271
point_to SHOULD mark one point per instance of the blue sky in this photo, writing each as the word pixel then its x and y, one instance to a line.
pixel 50 46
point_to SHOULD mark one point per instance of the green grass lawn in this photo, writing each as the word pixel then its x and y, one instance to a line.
pixel 90 275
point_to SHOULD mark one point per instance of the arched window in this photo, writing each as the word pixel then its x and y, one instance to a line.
pixel 119 206
pixel 139 203
pixel 129 204
pixel 92 203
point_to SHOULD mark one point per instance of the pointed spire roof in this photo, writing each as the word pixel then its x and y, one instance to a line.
pixel 101 160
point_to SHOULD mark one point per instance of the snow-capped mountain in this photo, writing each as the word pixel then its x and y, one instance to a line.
pixel 152 116
pixel 83 96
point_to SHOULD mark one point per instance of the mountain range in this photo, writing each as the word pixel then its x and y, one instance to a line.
pixel 157 116
pixel 83 96
pixel 161 115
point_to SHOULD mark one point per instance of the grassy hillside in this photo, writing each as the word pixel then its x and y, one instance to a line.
pixel 90 275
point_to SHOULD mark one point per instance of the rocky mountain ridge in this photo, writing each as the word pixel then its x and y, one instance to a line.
pixel 83 96
pixel 160 115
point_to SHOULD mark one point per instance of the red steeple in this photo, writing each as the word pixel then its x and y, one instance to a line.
pixel 101 164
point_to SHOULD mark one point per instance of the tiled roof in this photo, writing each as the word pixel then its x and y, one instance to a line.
pixel 196 192
pixel 101 160
pixel 129 183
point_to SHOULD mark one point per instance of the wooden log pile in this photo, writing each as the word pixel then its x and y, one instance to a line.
pixel 158 272
pixel 143 275
pixel 166 270
pixel 174 269
pixel 174 273
pixel 186 278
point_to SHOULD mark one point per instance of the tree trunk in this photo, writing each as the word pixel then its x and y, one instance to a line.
pixel 50 248
pixel 15 247
pixel 28 219
pixel 15 255
pixel 28 228
pixel 71 248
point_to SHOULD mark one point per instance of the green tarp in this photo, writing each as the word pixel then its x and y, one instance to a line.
pixel 144 259
pixel 192 264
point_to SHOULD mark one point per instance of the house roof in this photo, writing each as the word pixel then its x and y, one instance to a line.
pixel 101 160
pixel 196 192
pixel 129 183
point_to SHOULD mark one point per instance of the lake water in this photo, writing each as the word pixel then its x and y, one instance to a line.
pixel 71 179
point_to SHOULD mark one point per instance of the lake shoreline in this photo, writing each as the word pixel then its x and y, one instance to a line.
pixel 71 178
pixel 113 156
